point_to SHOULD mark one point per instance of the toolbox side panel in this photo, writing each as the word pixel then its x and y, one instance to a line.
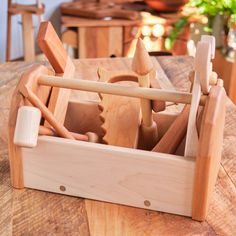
pixel 131 177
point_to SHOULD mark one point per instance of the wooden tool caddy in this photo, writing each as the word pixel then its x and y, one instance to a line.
pixel 180 184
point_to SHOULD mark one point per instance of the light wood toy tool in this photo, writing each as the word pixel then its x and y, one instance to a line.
pixel 121 115
pixel 142 65
pixel 118 174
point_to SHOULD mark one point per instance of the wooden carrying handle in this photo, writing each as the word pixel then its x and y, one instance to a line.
pixel 121 90
pixel 119 75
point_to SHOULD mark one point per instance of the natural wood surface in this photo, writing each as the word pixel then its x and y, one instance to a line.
pixel 27 126
pixel 126 187
pixel 33 212
pixel 209 155
pixel 18 100
pixel 62 64
pixel 175 134
pixel 120 115
pixel 142 65
pixel 202 69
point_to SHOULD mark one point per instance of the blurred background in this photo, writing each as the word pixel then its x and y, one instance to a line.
pixel 106 28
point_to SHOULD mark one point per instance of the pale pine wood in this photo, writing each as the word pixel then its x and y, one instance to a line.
pixel 52 47
pixel 209 154
pixel 128 168
pixel 120 115
pixel 28 37
pixel 205 67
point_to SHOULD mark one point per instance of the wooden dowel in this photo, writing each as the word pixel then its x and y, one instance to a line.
pixel 146 107
pixel 51 132
pixel 116 89
pixel 60 129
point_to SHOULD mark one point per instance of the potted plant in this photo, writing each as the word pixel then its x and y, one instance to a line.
pixel 219 14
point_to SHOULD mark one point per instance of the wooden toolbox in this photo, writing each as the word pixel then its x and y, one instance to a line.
pixel 126 148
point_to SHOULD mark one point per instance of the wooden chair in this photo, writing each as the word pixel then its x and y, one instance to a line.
pixel 26 11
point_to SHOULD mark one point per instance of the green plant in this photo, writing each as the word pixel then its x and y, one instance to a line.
pixel 209 8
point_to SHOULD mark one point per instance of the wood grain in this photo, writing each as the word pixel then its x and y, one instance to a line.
pixel 52 47
pixel 105 218
pixel 59 216
pixel 135 174
pixel 17 100
pixel 120 115
pixel 175 134
pixel 209 151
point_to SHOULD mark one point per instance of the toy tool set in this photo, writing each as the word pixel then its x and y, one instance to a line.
pixel 127 148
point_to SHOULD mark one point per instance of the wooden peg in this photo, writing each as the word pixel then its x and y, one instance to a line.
pixel 211 40
pixel 213 78
pixel 53 48
pixel 142 65
pixel 205 67
pixel 27 126
pixel 88 137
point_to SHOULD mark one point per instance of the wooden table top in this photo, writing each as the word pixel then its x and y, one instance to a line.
pixel 31 212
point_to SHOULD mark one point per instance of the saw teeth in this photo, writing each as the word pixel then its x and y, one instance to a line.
pixel 102 118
